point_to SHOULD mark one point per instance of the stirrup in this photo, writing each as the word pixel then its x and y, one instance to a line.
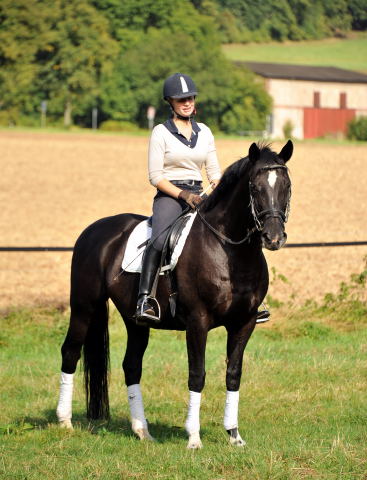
pixel 143 317
pixel 263 315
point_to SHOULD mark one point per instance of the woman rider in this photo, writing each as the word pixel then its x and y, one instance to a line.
pixel 178 149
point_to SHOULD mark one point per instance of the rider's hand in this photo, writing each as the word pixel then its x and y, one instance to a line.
pixel 190 198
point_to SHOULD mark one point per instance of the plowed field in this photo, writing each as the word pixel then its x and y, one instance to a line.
pixel 53 185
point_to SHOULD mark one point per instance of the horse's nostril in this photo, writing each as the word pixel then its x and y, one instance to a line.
pixel 267 237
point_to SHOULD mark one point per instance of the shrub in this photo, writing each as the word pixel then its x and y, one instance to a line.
pixel 357 129
pixel 118 126
pixel 288 129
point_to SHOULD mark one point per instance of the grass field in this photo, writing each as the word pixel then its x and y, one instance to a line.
pixel 303 403
pixel 302 409
pixel 347 53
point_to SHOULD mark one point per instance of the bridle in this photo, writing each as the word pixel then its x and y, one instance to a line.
pixel 259 217
pixel 270 212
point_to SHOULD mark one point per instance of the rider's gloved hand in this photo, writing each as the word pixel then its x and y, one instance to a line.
pixel 190 198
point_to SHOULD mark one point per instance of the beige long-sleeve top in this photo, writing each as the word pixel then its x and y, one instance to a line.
pixel 172 158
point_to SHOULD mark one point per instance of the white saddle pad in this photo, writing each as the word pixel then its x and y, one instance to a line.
pixel 134 250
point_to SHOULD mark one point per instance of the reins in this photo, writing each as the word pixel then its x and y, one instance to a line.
pixel 224 237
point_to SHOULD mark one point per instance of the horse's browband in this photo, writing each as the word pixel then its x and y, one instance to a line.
pixel 273 167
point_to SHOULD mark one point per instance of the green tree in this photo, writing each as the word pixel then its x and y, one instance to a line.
pixel 337 17
pixel 22 34
pixel 310 19
pixel 229 99
pixel 79 52
pixel 55 51
pixel 131 19
pixel 114 53
pixel 358 11
pixel 294 19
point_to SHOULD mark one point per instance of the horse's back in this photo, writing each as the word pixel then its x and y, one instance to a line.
pixel 107 229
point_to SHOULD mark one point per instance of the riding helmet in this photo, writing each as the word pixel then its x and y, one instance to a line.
pixel 179 85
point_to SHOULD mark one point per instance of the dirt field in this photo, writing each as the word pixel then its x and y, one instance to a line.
pixel 53 185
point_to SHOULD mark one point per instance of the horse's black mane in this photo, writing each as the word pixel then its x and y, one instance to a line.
pixel 235 171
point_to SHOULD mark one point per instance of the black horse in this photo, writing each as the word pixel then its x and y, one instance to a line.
pixel 221 279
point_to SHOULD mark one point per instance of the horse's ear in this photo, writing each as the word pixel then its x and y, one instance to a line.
pixel 286 152
pixel 253 153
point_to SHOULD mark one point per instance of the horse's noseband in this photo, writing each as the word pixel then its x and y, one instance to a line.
pixel 260 217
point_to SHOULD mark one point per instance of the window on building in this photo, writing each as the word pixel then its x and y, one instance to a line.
pixel 316 99
pixel 343 100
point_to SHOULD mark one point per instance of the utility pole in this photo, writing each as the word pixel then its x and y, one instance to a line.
pixel 95 118
pixel 43 113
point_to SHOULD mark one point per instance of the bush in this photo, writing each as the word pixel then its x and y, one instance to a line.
pixel 357 129
pixel 116 126
pixel 288 129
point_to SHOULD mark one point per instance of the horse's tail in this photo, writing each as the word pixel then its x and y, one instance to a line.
pixel 97 362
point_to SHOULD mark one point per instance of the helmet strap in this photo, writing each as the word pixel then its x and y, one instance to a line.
pixel 181 117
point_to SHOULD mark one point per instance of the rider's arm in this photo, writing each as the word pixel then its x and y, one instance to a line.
pixel 212 167
pixel 167 187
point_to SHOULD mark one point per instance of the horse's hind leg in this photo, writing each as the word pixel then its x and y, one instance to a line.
pixel 137 341
pixel 70 351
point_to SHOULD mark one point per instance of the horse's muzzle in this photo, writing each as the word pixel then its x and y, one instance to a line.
pixel 273 239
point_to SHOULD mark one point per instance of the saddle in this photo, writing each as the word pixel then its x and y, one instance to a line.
pixel 169 248
pixel 173 238
pixel 172 249
pixel 173 246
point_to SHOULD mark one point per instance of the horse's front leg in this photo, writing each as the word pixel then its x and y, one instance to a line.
pixel 236 343
pixel 137 342
pixel 196 336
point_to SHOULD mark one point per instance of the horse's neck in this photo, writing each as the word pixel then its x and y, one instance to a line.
pixel 232 214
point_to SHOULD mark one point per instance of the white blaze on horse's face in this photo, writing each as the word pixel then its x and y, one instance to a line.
pixel 272 178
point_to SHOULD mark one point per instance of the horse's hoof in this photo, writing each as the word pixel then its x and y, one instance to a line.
pixel 194 442
pixel 66 424
pixel 235 438
pixel 237 442
pixel 144 434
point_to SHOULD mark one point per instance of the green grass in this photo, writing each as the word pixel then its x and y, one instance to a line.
pixel 302 411
pixel 349 53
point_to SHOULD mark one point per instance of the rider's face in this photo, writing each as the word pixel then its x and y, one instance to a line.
pixel 183 106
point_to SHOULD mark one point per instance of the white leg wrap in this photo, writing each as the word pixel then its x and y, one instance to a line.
pixel 64 409
pixel 192 424
pixel 138 420
pixel 231 410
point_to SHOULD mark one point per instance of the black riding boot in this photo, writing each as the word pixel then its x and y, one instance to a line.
pixel 145 312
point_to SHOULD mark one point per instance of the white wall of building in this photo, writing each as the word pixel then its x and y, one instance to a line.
pixel 299 93
pixel 281 115
pixel 291 96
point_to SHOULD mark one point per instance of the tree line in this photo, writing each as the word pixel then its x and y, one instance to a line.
pixel 251 20
pixel 72 56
